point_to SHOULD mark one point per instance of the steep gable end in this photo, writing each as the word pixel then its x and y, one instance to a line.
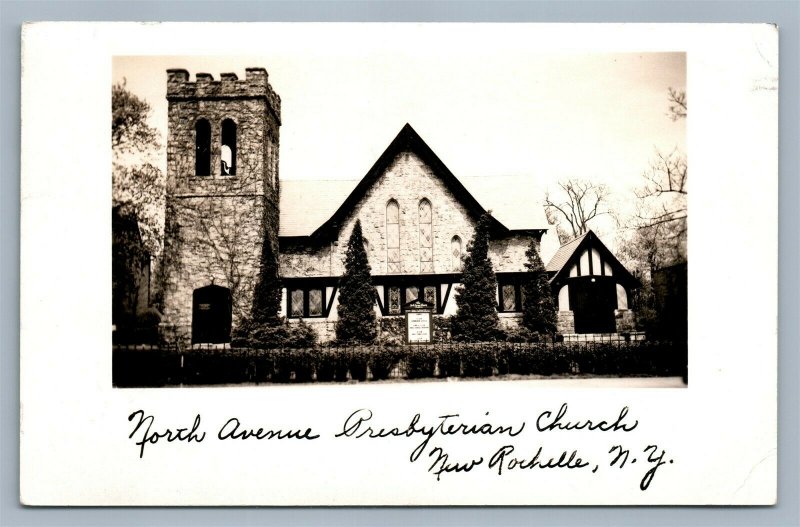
pixel 406 141
pixel 587 255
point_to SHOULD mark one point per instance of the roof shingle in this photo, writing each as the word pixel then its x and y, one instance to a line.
pixel 564 253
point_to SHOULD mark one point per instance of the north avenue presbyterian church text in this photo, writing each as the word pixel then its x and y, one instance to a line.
pixel 225 197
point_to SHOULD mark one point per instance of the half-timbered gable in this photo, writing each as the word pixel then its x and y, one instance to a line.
pixel 592 287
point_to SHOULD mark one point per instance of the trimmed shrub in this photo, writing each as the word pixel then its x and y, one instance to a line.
pixel 450 361
pixel 325 360
pixel 358 360
pixel 538 308
pixel 356 322
pixel 476 319
pixel 274 336
pixel 299 362
pixel 479 360
pixel 300 335
pixel 159 367
pixel 420 362
pixel 382 361
pixel 267 336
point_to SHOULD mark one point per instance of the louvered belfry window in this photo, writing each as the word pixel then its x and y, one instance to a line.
pixel 425 237
pixel 392 237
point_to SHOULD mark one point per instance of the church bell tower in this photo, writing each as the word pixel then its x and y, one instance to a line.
pixel 222 198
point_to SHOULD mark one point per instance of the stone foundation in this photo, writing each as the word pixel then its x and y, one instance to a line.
pixel 509 320
pixel 565 324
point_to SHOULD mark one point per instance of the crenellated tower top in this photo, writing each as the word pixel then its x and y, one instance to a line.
pixel 254 86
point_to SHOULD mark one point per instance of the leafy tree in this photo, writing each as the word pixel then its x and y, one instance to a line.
pixel 576 204
pixel 538 308
pixel 129 127
pixel 356 322
pixel 476 318
pixel 137 183
pixel 137 200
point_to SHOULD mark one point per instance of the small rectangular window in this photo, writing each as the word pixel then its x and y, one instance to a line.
pixel 297 303
pixel 307 302
pixel 394 301
pixel 509 297
pixel 315 303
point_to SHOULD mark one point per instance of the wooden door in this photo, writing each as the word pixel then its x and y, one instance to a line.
pixel 593 301
pixel 211 315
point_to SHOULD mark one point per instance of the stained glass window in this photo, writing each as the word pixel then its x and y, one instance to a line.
pixel 509 298
pixel 297 303
pixel 394 300
pixel 455 250
pixel 425 237
pixel 392 237
pixel 315 302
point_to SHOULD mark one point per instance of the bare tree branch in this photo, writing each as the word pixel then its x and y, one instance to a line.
pixel 677 107
pixel 578 204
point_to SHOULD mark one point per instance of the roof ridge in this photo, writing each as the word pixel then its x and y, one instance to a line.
pixel 576 239
pixel 406 140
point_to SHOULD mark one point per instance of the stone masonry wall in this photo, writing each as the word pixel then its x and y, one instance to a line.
pixel 216 240
pixel 407 180
pixel 215 224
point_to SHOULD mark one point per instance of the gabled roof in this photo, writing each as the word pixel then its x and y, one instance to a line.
pixel 570 252
pixel 521 209
pixel 307 204
pixel 564 253
pixel 406 140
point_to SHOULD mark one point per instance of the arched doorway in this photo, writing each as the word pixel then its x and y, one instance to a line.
pixel 593 300
pixel 211 315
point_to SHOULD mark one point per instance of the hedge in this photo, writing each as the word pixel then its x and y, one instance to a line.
pixel 159 367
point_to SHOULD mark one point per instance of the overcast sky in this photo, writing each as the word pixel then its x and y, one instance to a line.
pixel 545 117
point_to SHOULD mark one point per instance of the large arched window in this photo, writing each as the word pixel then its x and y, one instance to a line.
pixel 392 237
pixel 202 148
pixel 455 253
pixel 425 237
pixel 228 148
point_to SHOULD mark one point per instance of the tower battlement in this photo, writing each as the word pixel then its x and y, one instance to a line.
pixel 254 86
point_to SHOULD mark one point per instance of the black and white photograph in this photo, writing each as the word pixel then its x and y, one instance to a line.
pixel 368 264
pixel 362 220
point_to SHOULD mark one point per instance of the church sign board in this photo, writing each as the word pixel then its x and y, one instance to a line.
pixel 419 322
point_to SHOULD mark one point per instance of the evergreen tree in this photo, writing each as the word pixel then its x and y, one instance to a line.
pixel 476 318
pixel 356 322
pixel 267 292
pixel 538 308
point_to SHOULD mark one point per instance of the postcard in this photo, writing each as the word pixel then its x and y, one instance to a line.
pixel 399 264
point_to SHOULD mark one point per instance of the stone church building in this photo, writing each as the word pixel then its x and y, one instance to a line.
pixel 225 198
